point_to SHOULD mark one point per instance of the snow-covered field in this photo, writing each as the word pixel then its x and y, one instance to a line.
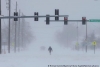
pixel 38 58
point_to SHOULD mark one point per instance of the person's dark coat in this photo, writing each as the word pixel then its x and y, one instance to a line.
pixel 50 49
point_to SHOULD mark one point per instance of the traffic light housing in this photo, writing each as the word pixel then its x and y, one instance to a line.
pixel 35 14
pixel 15 14
pixel 57 13
pixel 83 20
pixel 65 20
pixel 47 19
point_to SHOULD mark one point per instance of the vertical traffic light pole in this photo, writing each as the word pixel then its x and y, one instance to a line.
pixel 19 33
pixel 0 29
pixel 77 36
pixel 85 22
pixel 15 38
pixel 15 29
pixel 22 31
pixel 86 36
pixel 9 28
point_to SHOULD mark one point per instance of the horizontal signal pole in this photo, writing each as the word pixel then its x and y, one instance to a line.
pixel 68 20
pixel 6 17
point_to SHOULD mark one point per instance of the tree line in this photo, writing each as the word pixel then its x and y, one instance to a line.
pixel 24 34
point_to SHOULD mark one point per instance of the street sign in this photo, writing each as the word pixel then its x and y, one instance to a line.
pixel 94 20
pixel 94 43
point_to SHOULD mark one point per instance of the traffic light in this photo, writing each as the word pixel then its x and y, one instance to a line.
pixel 47 19
pixel 15 14
pixel 35 14
pixel 57 13
pixel 65 20
pixel 83 20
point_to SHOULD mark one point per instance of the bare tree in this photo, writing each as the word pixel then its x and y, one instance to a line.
pixel 90 39
pixel 27 33
pixel 66 37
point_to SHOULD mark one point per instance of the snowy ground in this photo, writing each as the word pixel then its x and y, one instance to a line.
pixel 37 58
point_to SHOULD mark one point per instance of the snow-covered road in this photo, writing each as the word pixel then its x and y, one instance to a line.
pixel 43 59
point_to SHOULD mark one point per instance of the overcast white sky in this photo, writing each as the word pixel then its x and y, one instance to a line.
pixel 74 8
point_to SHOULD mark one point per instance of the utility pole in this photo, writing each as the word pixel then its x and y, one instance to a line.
pixel 67 38
pixel 94 40
pixel 77 31
pixel 19 33
pixel 0 29
pixel 15 30
pixel 77 37
pixel 22 30
pixel 86 36
pixel 9 27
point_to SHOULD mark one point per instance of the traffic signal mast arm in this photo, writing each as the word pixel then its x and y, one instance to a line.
pixel 6 17
pixel 36 17
pixel 69 21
